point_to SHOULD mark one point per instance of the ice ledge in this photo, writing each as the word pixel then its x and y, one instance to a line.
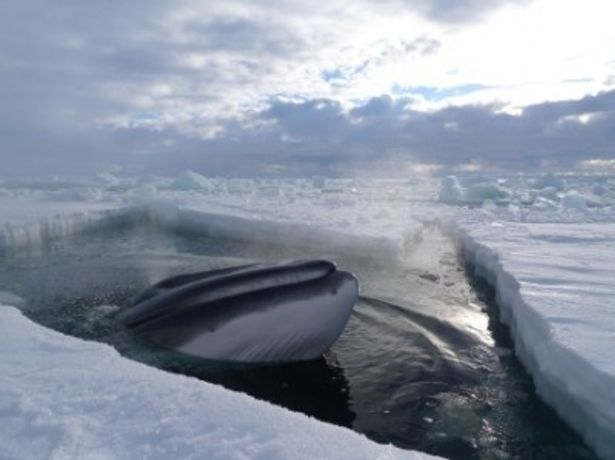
pixel 63 398
pixel 34 224
pixel 554 285
pixel 185 219
pixel 28 224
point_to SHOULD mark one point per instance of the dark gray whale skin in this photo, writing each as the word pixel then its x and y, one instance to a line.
pixel 289 311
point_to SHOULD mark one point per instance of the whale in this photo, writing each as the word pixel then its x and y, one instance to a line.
pixel 256 313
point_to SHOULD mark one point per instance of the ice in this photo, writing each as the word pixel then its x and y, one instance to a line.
pixel 555 289
pixel 550 180
pixel 8 298
pixel 27 221
pixel 62 397
pixel 542 204
pixel 574 200
pixel 264 231
pixel 318 182
pixel 547 247
pixel 599 189
pixel 549 193
pixel 190 180
pixel 451 191
pixel 108 179
pixel 485 191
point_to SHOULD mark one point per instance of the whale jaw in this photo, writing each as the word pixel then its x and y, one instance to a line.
pixel 292 311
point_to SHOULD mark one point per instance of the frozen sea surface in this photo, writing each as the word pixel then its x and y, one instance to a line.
pixel 562 329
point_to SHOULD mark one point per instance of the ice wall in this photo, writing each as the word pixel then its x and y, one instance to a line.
pixel 62 397
pixel 30 223
pixel 555 290
pixel 263 231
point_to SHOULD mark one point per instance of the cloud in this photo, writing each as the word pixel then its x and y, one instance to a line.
pixel 457 11
pixel 242 35
pixel 321 137
pixel 239 87
pixel 556 132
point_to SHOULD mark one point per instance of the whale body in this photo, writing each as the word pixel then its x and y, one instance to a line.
pixel 259 313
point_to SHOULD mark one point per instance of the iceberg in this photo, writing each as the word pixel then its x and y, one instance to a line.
pixel 574 200
pixel 550 180
pixel 190 180
pixel 452 192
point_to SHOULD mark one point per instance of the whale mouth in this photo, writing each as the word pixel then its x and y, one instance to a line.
pixel 257 313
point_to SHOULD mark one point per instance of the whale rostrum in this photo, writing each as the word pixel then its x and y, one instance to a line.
pixel 280 312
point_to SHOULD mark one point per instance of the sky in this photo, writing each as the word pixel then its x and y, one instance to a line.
pixel 294 88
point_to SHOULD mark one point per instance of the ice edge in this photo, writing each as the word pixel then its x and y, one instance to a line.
pixel 578 395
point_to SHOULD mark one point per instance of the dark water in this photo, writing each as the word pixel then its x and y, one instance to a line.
pixel 424 362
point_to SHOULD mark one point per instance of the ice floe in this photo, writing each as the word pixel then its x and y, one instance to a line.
pixel 62 397
pixel 555 288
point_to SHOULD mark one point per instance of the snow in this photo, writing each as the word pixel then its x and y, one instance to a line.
pixel 555 288
pixel 62 397
pixel 545 244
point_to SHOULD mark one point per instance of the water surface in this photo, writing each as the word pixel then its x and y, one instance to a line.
pixel 424 362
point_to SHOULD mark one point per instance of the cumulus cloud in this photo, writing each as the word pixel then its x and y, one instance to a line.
pixel 320 136
pixel 552 133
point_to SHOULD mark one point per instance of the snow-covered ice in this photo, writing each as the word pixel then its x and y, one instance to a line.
pixel 546 245
pixel 62 397
pixel 555 287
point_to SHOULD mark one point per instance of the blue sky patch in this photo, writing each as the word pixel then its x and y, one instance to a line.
pixel 435 94
pixel 332 74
